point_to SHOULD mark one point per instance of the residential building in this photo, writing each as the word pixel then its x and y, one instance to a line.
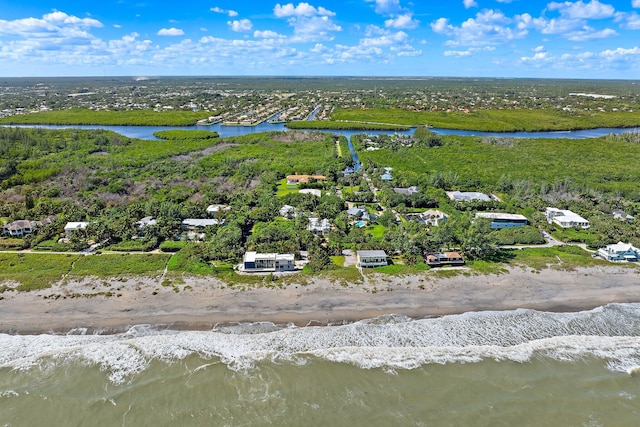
pixel 304 179
pixel 365 259
pixel 46 221
pixel 386 177
pixel 620 252
pixel 428 217
pixel 446 258
pixel 318 226
pixel 312 191
pixel 145 222
pixel 501 220
pixel 407 191
pixel 468 196
pixel 565 218
pixel 217 210
pixel 194 223
pixel 257 262
pixel 19 228
pixel 75 226
pixel 622 216
pixel 288 212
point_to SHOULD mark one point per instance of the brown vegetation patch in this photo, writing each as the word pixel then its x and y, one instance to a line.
pixel 295 136
pixel 205 152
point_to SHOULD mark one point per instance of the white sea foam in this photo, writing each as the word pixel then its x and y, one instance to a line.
pixel 611 333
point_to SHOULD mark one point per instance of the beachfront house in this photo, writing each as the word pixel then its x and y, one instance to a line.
pixel 288 212
pixel 428 217
pixel 259 262
pixel 312 191
pixel 19 228
pixel 501 220
pixel 75 226
pixel 367 259
pixel 565 218
pixel 446 258
pixel 318 226
pixel 468 196
pixel 620 252
pixel 147 221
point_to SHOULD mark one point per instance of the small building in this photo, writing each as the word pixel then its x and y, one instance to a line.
pixel 304 179
pixel 318 226
pixel 366 259
pixel 565 218
pixel 348 171
pixel 217 210
pixel 46 221
pixel 271 262
pixel 428 217
pixel 386 177
pixel 19 228
pixel 288 212
pixel 75 226
pixel 468 196
pixel 503 220
pixel 145 222
pixel 195 223
pixel 357 212
pixel 446 258
pixel 407 191
pixel 622 216
pixel 312 191
pixel 620 252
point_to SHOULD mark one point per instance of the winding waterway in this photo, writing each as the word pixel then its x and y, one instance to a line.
pixel 147 132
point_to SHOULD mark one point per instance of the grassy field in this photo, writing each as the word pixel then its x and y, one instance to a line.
pixel 34 271
pixel 495 120
pixel 284 188
pixel 119 265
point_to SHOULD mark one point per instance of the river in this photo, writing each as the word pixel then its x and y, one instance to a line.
pixel 146 132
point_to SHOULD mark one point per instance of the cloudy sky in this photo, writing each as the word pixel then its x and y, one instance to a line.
pixel 483 38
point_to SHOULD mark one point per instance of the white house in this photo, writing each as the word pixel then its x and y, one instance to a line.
pixel 371 259
pixel 288 212
pixel 620 252
pixel 319 226
pixel 467 196
pixel 429 217
pixel 257 262
pixel 215 210
pixel 501 220
pixel 311 191
pixel 193 223
pixel 72 226
pixel 565 218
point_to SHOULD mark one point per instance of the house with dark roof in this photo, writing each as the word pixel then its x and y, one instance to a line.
pixel 19 228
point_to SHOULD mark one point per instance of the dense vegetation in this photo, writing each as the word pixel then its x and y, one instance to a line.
pixel 351 125
pixel 185 134
pixel 529 120
pixel 112 182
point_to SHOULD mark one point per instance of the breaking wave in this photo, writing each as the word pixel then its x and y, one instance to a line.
pixel 611 333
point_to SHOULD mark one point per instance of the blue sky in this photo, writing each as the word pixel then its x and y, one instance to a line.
pixel 481 38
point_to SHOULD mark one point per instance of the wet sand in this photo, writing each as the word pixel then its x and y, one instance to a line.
pixel 201 302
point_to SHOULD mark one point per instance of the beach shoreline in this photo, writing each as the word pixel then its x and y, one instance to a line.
pixel 107 306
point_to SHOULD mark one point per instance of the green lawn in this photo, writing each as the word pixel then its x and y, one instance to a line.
pixel 120 265
pixel 376 231
pixel 284 188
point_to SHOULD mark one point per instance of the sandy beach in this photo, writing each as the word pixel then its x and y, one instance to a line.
pixel 201 302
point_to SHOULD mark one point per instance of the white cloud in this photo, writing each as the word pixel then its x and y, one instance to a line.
pixel 51 24
pixel 230 13
pixel 469 3
pixel 635 3
pixel 302 9
pixel 170 32
pixel 405 22
pixel 310 24
pixel 538 49
pixel 487 28
pixel 588 33
pixel 117 26
pixel 579 10
pixel 267 34
pixel 240 25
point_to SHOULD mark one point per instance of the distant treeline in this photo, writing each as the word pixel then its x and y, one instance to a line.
pixel 185 134
pixel 113 118
pixel 317 124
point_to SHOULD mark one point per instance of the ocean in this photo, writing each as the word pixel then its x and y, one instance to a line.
pixel 508 368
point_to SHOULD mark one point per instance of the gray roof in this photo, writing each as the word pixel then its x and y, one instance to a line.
pixel 372 254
